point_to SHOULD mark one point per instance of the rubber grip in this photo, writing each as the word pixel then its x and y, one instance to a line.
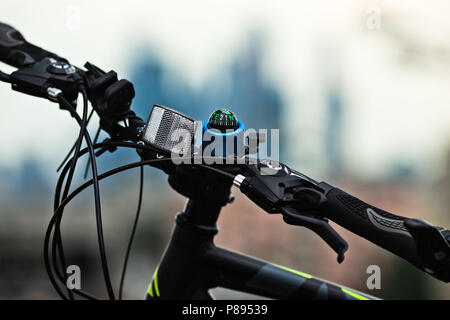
pixel 378 226
pixel 16 51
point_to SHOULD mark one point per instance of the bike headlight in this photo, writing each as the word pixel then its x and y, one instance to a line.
pixel 169 130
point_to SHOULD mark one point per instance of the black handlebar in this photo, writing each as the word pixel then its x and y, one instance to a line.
pixel 16 51
pixel 423 245
pixel 44 74
pixel 378 226
pixel 305 202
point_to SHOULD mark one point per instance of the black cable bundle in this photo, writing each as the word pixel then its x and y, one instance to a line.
pixel 55 223
pixel 55 266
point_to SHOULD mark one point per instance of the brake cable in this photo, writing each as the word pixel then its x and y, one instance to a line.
pixel 97 135
pixel 66 200
pixel 66 104
pixel 133 231
pixel 59 210
pixel 56 211
pixel 57 235
pixel 123 168
pixel 73 146
pixel 57 244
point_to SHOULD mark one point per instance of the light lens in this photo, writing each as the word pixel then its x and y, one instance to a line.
pixel 169 130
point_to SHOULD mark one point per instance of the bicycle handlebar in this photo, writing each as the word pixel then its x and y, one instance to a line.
pixel 16 51
pixel 420 243
pixel 305 202
pixel 378 226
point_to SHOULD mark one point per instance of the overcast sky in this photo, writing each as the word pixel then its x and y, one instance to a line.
pixel 395 79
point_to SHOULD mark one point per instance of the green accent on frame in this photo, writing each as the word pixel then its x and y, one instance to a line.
pixel 354 294
pixel 302 274
pixel 152 290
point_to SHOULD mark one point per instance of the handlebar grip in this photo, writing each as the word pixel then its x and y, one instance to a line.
pixel 16 51
pixel 420 243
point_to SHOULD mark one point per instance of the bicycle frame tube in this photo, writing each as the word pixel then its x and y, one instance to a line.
pixel 192 265
pixel 247 274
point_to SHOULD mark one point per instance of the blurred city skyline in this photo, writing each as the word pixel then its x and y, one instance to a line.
pixel 387 84
pixel 359 90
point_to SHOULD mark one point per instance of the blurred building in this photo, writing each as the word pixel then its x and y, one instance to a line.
pixel 240 86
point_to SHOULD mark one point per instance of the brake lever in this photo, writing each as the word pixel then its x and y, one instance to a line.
pixel 300 202
pixel 278 189
pixel 320 226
